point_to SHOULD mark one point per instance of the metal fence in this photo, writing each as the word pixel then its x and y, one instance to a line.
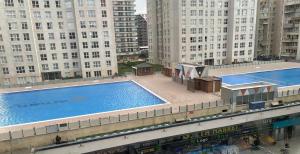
pixel 286 93
pixel 245 64
pixel 100 121
pixel 2 85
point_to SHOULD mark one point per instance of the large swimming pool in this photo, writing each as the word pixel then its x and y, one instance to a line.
pixel 41 105
pixel 283 78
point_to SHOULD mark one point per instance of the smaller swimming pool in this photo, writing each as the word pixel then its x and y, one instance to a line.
pixel 283 78
pixel 41 105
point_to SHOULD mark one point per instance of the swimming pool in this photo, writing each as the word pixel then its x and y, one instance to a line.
pixel 41 105
pixel 283 78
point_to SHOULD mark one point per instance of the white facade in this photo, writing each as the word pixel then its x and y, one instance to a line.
pixel 210 32
pixel 47 39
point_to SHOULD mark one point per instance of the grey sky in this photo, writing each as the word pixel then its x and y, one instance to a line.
pixel 141 6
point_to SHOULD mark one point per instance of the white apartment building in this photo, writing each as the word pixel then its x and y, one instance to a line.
pixel 125 29
pixel 208 32
pixel 54 39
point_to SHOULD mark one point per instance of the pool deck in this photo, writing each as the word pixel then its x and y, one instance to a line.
pixel 175 93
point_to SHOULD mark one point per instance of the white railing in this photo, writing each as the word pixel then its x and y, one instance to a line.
pixel 245 64
pixel 22 133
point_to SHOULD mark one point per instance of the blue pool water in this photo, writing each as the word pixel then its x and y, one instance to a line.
pixel 33 106
pixel 282 78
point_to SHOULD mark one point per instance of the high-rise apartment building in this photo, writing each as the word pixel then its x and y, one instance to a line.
pixel 269 27
pixel 208 32
pixel 125 29
pixel 54 39
pixel 141 22
pixel 290 48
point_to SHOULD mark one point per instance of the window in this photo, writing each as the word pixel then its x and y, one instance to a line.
pixel 37 15
pixel 91 13
pixel 59 14
pixel 74 55
pixel 55 66
pixel 43 57
pixel 93 24
pixel 27 47
pixel 109 72
pixel 83 34
pixel 61 25
pixel 51 36
pixel 54 56
pixel 9 3
pixel 91 2
pixel 107 53
pixel 5 70
pixel 12 26
pixel 87 65
pixel 31 68
pixel 81 13
pixel 40 36
pixel 75 65
pixel 46 4
pixel 108 63
pixel 104 24
pixel 2 49
pixel 80 2
pixel 45 67
pixel 24 25
pixel 82 24
pixel 16 48
pixel 29 58
pixel 14 37
pixel 35 4
pixel 22 13
pixel 52 46
pixel 57 3
pixel 3 60
pixel 63 45
pixel 96 54
pixel 10 14
pixel 48 14
pixel 65 56
pixel 88 74
pixel 42 47
pixel 49 25
pixel 26 36
pixel 73 45
pixel 62 36
pixel 106 43
pixel 104 14
pixel 86 55
pixel 20 69
pixel 103 3
pixel 72 35
pixel 94 34
pixel 97 73
pixel 97 64
pixel 85 45
pixel 95 45
pixel 38 25
pixel 66 65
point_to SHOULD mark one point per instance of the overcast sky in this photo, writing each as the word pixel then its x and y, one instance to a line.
pixel 141 6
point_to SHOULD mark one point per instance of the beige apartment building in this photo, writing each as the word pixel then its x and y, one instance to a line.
pixel 278 28
pixel 291 30
pixel 125 30
pixel 55 39
pixel 207 32
pixel 269 27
